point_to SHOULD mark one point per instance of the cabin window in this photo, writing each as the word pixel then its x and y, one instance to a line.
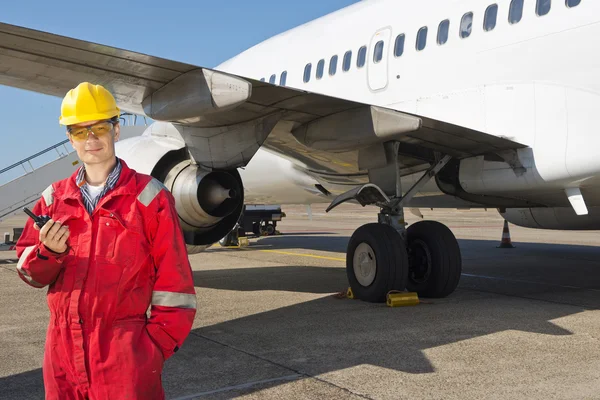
pixel 466 25
pixel 573 3
pixel 320 68
pixel 399 46
pixel 422 38
pixel 516 11
pixel 283 78
pixel 542 7
pixel 443 30
pixel 307 70
pixel 362 57
pixel 491 15
pixel 272 79
pixel 333 65
pixel 347 60
pixel 378 52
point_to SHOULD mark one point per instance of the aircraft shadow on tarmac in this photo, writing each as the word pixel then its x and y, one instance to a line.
pixel 301 279
pixel 522 258
pixel 330 334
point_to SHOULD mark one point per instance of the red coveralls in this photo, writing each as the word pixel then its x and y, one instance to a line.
pixel 127 256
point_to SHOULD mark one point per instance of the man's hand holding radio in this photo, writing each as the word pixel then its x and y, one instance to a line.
pixel 54 236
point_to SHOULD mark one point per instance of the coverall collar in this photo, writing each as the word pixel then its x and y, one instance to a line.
pixel 125 185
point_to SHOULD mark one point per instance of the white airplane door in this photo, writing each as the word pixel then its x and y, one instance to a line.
pixel 377 59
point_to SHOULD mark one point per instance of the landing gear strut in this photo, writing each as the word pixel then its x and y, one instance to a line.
pixel 385 256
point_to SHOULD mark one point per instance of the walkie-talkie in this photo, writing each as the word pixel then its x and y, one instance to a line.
pixel 40 221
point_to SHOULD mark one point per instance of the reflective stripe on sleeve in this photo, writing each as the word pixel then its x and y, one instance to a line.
pixel 48 195
pixel 152 189
pixel 172 299
pixel 22 259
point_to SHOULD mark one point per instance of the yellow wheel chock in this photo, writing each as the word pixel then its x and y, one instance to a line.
pixel 402 299
pixel 349 293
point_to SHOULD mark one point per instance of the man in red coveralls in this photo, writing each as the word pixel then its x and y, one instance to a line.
pixel 112 248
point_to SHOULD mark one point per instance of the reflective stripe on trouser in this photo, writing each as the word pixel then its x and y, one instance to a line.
pixel 173 299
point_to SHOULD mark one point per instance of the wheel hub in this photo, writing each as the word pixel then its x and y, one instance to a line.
pixel 419 258
pixel 365 264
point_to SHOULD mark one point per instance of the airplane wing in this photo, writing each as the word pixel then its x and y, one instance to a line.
pixel 224 118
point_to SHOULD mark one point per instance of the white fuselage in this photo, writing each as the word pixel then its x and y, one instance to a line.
pixel 536 82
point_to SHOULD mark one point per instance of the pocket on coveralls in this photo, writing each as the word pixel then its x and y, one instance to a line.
pixel 108 230
pixel 134 336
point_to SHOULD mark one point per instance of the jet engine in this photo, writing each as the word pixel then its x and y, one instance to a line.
pixel 208 202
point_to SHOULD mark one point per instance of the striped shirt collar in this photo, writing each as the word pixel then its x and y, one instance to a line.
pixel 110 183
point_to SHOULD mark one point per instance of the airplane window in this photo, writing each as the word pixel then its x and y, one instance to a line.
pixel 378 52
pixel 443 32
pixel 491 15
pixel 466 25
pixel 272 79
pixel 347 60
pixel 516 11
pixel 320 67
pixel 362 57
pixel 283 78
pixel 422 38
pixel 333 65
pixel 542 7
pixel 307 72
pixel 573 3
pixel 399 46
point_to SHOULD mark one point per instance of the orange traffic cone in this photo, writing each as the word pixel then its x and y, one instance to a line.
pixel 505 243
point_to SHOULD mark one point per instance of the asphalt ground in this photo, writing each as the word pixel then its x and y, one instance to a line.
pixel 523 323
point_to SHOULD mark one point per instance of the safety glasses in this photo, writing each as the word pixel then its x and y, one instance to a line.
pixel 81 133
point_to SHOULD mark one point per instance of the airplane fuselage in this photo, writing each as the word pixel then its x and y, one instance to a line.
pixel 516 74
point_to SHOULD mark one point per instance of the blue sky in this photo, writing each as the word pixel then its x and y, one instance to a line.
pixel 198 32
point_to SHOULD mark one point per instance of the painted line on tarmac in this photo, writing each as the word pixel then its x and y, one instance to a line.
pixel 303 255
pixel 463 274
pixel 242 386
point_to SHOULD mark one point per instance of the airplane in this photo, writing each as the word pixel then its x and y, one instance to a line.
pixel 391 104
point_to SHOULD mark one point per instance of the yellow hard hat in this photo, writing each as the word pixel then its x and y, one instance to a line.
pixel 87 102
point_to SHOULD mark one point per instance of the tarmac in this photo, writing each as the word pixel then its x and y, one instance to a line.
pixel 523 322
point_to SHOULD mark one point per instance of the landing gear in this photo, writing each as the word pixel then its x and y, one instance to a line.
pixel 376 262
pixel 435 262
pixel 385 256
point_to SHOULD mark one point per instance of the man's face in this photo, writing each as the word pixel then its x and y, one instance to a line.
pixel 92 148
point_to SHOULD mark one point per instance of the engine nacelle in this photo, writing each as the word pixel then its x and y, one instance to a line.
pixel 559 218
pixel 208 203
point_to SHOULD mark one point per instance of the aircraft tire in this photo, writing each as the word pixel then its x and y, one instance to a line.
pixel 435 262
pixel 376 262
